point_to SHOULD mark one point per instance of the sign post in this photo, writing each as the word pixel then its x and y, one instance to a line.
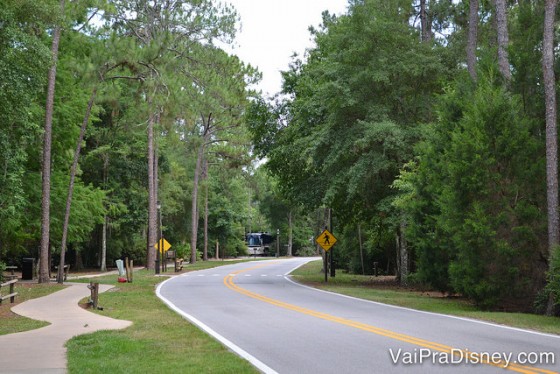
pixel 326 240
pixel 161 246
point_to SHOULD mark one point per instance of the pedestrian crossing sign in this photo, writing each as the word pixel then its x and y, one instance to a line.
pixel 326 240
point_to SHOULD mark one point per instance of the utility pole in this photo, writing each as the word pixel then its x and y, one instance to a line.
pixel 160 252
pixel 160 241
pixel 277 243
pixel 333 268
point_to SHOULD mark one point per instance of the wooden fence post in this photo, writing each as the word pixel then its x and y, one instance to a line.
pixel 94 299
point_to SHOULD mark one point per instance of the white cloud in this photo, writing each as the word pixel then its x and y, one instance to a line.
pixel 271 31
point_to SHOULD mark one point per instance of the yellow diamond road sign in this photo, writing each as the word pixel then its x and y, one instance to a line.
pixel 165 245
pixel 326 240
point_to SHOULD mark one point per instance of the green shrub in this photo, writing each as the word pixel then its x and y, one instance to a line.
pixel 552 288
pixel 307 252
pixel 182 250
pixel 474 220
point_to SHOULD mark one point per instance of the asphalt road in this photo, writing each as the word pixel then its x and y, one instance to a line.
pixel 280 326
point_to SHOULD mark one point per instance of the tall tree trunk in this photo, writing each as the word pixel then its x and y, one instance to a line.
pixel 79 264
pixel 152 209
pixel 205 177
pixel 397 257
pixel 60 274
pixel 424 22
pixel 103 266
pixel 472 38
pixel 194 212
pixel 47 146
pixel 361 248
pixel 290 233
pixel 503 39
pixel 403 255
pixel 551 135
pixel 207 123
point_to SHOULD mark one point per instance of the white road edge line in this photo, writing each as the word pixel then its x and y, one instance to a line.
pixel 287 277
pixel 234 348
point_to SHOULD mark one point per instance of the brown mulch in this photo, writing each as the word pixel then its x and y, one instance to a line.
pixel 389 282
pixel 382 281
pixel 5 311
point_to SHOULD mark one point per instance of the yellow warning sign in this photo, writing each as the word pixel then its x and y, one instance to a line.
pixel 165 245
pixel 326 240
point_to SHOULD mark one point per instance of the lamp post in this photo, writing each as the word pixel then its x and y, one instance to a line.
pixel 277 243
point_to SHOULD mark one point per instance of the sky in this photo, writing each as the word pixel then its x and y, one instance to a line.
pixel 272 30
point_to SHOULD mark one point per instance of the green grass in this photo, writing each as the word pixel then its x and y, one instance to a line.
pixel 10 322
pixel 159 341
pixel 366 287
pixel 203 265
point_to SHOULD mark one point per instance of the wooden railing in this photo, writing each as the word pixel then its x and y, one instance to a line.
pixel 12 295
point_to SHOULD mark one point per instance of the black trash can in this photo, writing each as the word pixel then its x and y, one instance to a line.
pixel 27 268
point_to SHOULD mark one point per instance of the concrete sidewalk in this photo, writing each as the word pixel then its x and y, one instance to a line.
pixel 42 350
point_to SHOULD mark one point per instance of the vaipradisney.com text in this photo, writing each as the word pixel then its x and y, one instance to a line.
pixel 421 356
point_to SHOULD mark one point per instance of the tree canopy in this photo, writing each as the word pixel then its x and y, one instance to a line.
pixel 427 128
pixel 421 125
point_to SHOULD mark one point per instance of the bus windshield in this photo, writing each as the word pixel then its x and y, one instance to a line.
pixel 253 240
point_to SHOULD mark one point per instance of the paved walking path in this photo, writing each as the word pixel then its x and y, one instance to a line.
pixel 42 350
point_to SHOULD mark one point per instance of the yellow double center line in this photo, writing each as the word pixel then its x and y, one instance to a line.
pixel 228 281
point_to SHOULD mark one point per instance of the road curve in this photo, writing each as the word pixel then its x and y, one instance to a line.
pixel 280 326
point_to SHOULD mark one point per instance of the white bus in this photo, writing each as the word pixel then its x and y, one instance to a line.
pixel 259 243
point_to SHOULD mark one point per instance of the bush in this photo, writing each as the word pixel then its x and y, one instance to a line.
pixel 475 219
pixel 552 288
pixel 2 269
pixel 183 250
pixel 307 252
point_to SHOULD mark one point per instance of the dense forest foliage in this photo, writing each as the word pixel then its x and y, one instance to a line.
pixel 428 129
pixel 147 127
pixel 424 131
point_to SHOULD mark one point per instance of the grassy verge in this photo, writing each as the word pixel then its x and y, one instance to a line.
pixel 9 321
pixel 159 341
pixel 369 288
pixel 202 265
